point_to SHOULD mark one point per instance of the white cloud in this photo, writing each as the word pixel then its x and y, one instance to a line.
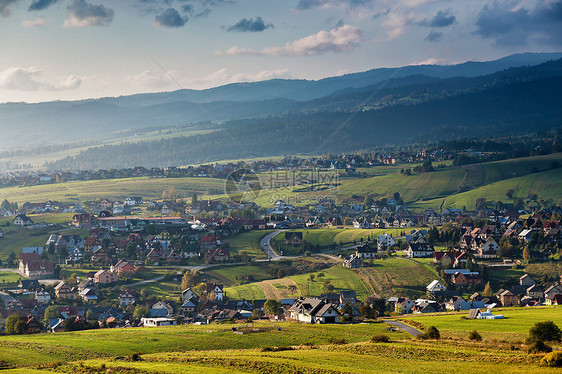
pixel 148 79
pixel 339 39
pixel 432 61
pixel 223 76
pixel 41 21
pixel 28 79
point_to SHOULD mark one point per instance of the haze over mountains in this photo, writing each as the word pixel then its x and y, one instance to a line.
pixel 338 114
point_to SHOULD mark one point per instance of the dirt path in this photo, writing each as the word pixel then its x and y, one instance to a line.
pixel 272 292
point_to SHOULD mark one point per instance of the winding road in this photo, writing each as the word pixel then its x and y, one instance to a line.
pixel 402 326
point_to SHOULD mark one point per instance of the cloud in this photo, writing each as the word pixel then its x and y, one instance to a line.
pixel 187 8
pixel 434 36
pixel 27 79
pixel 41 4
pixel 41 21
pixel 511 23
pixel 148 79
pixel 6 7
pixel 250 25
pixel 323 4
pixel 223 76
pixel 432 61
pixel 83 14
pixel 170 18
pixel 338 39
pixel 443 18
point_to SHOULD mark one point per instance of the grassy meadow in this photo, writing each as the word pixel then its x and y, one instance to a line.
pixel 301 348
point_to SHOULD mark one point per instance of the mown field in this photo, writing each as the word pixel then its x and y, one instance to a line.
pixel 514 327
pixel 248 243
pixel 381 278
pixel 307 349
pixel 115 189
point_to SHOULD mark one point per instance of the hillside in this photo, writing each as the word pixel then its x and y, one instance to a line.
pixel 510 109
pixel 97 120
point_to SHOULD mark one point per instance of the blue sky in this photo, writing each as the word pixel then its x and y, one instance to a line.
pixel 74 49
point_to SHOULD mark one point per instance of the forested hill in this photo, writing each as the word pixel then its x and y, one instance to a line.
pixel 97 120
pixel 516 106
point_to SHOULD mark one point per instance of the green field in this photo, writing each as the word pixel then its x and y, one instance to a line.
pixel 249 243
pixel 515 326
pixel 304 348
pixel 381 278
pixel 148 188
pixel 8 278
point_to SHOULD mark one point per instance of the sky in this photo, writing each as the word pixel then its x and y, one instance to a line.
pixel 77 49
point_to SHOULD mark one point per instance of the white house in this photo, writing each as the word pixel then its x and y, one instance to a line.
pixel 22 220
pixel 42 296
pixel 160 321
pixel 313 311
pixel 435 286
pixel 385 241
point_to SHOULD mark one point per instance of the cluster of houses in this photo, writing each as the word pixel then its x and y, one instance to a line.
pixel 526 293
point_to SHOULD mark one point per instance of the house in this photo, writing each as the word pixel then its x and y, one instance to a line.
pixel 28 284
pixel 75 254
pixel 133 201
pixel 535 292
pixel 435 286
pixel 488 248
pixel 293 238
pixel 404 305
pixel 385 241
pixel 188 294
pixel 214 291
pixel 526 281
pixel 33 267
pixel 42 296
pixel 89 294
pixel 153 322
pixel 313 311
pixel 426 306
pixel 207 243
pixel 161 309
pixel 84 220
pixel 105 277
pixel 353 262
pixel 219 255
pixel 22 220
pixel 454 303
pixel 461 279
pixel 553 300
pixel 99 254
pixel 63 291
pixel 348 296
pixel 508 298
pixel 123 268
pixel 127 297
pixel 190 305
pixel 365 252
pixel 555 289
pixel 416 250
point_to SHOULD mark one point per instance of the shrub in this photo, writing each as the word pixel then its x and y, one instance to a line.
pixel 545 331
pixel 381 338
pixel 339 341
pixel 474 335
pixel 552 359
pixel 136 357
pixel 540 347
pixel 431 333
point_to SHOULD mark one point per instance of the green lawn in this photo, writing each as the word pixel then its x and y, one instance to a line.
pixel 7 278
pixel 515 326
pixel 249 243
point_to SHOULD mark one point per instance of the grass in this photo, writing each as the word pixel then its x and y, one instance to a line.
pixel 515 326
pixel 236 275
pixel 7 278
pixel 115 189
pixel 382 278
pixel 215 349
pixel 248 243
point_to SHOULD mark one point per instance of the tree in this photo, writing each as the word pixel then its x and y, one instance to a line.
pixel 257 314
pixel 141 312
pixel 194 199
pixel 190 279
pixel 545 331
pixel 10 324
pixel 346 312
pixel 292 289
pixel 311 277
pixel 51 312
pixel 368 312
pixel 481 203
pixel 327 287
pixel 526 254
pixel 488 292
pixel 510 194
pixel 272 307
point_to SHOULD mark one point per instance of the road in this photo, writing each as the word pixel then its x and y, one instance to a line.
pixel 265 244
pixel 145 281
pixel 402 326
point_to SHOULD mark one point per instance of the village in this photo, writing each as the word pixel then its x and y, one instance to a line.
pixel 124 252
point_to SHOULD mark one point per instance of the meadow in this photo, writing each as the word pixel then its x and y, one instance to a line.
pixel 302 348
pixel 514 327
